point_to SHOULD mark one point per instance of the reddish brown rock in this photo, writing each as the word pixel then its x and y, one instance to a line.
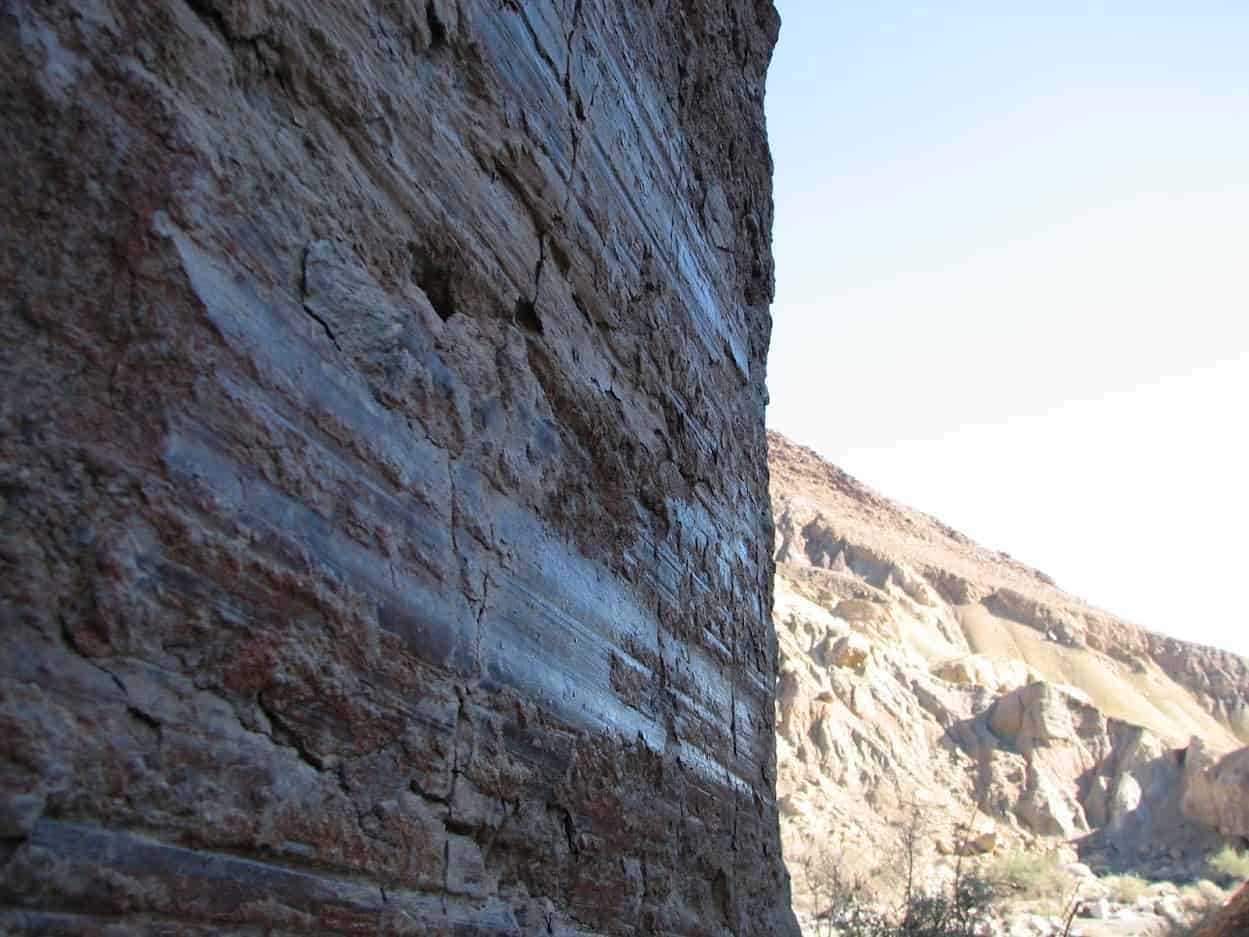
pixel 1232 920
pixel 385 542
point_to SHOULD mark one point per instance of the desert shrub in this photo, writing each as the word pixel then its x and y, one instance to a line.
pixel 1230 865
pixel 953 912
pixel 1125 889
pixel 1028 875
pixel 847 907
pixel 844 905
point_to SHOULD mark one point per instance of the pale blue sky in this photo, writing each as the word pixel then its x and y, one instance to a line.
pixel 1012 259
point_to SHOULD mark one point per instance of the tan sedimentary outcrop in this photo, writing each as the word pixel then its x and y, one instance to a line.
pixel 1217 790
pixel 828 520
pixel 980 689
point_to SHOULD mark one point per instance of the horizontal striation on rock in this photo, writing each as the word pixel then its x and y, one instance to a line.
pixel 386 544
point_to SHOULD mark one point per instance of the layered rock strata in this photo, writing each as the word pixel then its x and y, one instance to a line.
pixel 823 513
pixel 923 672
pixel 385 541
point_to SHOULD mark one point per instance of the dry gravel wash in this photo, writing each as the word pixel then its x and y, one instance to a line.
pixel 385 540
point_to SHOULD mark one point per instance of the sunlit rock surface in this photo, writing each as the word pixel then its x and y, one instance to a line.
pixel 1217 792
pixel 978 691
pixel 385 536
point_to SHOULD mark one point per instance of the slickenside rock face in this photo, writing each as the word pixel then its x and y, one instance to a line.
pixel 383 481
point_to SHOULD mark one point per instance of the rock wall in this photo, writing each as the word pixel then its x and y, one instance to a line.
pixel 385 541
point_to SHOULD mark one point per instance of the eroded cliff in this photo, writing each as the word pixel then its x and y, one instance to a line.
pixel 919 668
pixel 386 543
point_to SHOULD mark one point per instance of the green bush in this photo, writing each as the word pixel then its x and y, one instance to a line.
pixel 952 913
pixel 1229 864
pixel 1126 889
pixel 1028 875
pixel 847 907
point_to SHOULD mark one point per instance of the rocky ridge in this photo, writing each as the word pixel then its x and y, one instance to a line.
pixel 918 668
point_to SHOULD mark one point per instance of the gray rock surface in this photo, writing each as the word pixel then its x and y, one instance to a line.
pixel 384 536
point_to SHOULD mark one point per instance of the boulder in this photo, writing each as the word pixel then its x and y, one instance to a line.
pixel 1049 808
pixel 982 839
pixel 1033 714
pixel 850 652
pixel 1216 792
pixel 1099 910
pixel 1001 676
pixel 863 611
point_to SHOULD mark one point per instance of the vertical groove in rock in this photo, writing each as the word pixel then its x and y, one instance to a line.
pixel 385 542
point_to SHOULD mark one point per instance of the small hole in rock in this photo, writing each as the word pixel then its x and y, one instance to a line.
pixel 437 31
pixel 435 283
pixel 527 316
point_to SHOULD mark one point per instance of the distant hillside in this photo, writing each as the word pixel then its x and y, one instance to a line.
pixel 921 668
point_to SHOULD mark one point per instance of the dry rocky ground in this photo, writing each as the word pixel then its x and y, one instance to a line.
pixel 930 684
